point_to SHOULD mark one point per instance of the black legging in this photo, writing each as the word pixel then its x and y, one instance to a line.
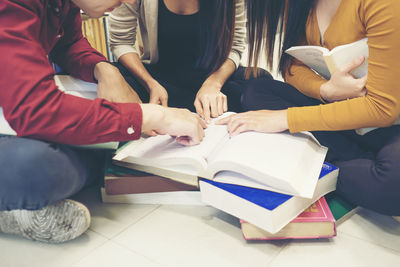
pixel 182 88
pixel 369 173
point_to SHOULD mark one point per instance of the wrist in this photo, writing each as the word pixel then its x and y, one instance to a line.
pixel 213 83
pixel 150 84
pixel 153 116
pixel 324 92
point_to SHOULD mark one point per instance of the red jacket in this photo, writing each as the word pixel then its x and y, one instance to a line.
pixel 30 30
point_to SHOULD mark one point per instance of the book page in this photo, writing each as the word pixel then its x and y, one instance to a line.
pixel 164 150
pixel 289 163
pixel 311 56
pixel 344 54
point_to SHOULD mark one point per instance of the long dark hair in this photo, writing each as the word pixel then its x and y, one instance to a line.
pixel 216 32
pixel 272 19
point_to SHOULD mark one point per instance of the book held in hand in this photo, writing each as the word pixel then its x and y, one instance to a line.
pixel 267 210
pixel 316 221
pixel 325 62
pixel 281 162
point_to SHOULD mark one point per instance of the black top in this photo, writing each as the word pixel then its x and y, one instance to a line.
pixel 178 39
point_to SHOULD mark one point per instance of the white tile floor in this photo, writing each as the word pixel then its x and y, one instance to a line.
pixel 159 235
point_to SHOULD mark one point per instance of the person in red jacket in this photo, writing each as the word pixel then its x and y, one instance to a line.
pixel 38 170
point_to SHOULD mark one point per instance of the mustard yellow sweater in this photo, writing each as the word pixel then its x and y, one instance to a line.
pixel 379 21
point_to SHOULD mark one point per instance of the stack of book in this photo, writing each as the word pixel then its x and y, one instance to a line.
pixel 266 180
pixel 124 185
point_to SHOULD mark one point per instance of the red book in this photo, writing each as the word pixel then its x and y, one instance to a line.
pixel 315 222
pixel 137 184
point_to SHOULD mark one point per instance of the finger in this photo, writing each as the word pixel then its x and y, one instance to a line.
pixel 198 107
pixel 220 105
pixel 184 140
pixel 213 107
pixel 234 125
pixel 164 101
pixel 225 104
pixel 224 120
pixel 353 64
pixel 202 122
pixel 150 133
pixel 154 100
pixel 363 92
pixel 242 128
pixel 363 81
pixel 206 109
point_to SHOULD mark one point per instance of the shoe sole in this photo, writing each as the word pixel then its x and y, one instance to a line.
pixel 56 223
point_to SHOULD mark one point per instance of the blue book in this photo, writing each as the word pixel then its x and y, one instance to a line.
pixel 268 210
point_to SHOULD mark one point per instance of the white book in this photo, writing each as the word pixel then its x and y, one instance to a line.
pixel 165 198
pixel 281 162
pixel 267 210
pixel 325 61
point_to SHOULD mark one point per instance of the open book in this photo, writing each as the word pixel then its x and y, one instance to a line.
pixel 280 162
pixel 325 62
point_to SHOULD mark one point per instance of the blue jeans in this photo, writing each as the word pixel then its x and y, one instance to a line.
pixel 34 174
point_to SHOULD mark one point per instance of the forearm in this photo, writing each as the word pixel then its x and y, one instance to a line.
pixel 305 80
pixel 133 63
pixel 220 76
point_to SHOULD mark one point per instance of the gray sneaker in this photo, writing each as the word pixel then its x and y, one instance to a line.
pixel 56 223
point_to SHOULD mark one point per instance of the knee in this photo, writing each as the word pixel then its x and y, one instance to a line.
pixel 35 169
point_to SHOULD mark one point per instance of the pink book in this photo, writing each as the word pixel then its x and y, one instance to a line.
pixel 315 222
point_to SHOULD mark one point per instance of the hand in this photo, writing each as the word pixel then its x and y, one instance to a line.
pixel 265 121
pixel 210 102
pixel 343 85
pixel 185 125
pixel 158 94
pixel 112 85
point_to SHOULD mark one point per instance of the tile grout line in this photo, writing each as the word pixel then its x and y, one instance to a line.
pixel 92 250
pixel 367 241
pixel 277 254
pixel 124 228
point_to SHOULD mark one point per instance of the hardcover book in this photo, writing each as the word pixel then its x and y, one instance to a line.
pixel 340 208
pixel 267 210
pixel 156 198
pixel 119 180
pixel 316 221
pixel 281 162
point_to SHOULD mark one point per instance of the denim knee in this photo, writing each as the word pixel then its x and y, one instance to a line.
pixel 34 174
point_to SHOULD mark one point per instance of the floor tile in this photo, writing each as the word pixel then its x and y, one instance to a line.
pixel 19 252
pixel 195 236
pixel 111 254
pixel 373 227
pixel 340 251
pixel 110 219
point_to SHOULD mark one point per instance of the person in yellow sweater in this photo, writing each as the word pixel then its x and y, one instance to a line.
pixel 332 109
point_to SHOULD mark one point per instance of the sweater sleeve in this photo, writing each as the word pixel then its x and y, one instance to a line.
pixel 123 22
pixel 305 80
pixel 380 107
pixel 238 45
